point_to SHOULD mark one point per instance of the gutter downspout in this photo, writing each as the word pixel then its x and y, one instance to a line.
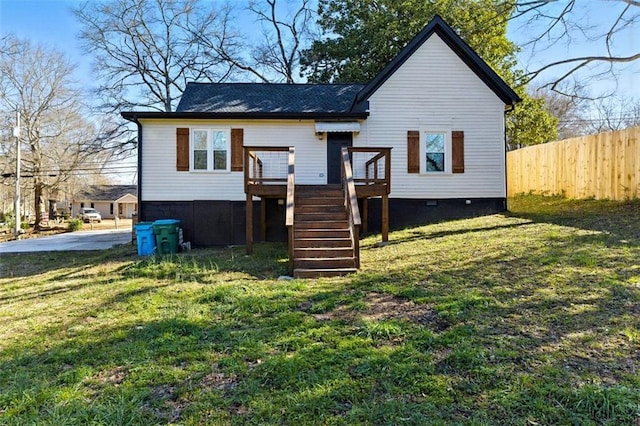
pixel 511 108
pixel 134 119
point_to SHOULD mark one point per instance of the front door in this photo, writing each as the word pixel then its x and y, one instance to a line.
pixel 335 142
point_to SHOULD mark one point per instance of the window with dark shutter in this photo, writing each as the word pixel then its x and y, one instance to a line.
pixel 457 151
pixel 237 141
pixel 413 151
pixel 182 150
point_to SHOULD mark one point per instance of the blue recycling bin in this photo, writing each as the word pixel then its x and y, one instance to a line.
pixel 167 235
pixel 145 239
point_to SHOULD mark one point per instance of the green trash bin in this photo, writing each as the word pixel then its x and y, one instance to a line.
pixel 166 231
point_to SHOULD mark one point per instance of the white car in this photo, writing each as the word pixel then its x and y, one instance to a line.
pixel 90 215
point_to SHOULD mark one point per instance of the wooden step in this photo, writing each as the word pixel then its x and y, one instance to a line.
pixel 324 262
pixel 320 209
pixel 314 252
pixel 321 216
pixel 322 224
pixel 332 193
pixel 321 233
pixel 319 189
pixel 322 239
pixel 322 201
pixel 316 273
pixel 323 242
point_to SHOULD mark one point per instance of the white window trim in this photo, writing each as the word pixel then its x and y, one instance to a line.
pixel 448 166
pixel 210 131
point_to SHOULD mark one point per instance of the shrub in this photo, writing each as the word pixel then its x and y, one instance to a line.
pixel 75 224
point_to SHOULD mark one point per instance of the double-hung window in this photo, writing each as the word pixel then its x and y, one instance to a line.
pixel 436 152
pixel 211 150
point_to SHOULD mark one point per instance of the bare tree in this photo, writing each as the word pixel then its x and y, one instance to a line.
pixel 286 29
pixel 144 54
pixel 571 112
pixel 552 23
pixel 56 139
pixel 614 113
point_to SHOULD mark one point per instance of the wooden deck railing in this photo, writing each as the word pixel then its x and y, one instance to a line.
pixel 291 200
pixel 351 203
pixel 373 180
pixel 258 170
pixel 377 169
pixel 265 175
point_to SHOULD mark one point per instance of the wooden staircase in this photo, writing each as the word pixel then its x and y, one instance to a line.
pixel 323 244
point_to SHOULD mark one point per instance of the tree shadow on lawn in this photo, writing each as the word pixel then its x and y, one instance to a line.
pixel 21 265
pixel 417 233
pixel 619 219
pixel 214 265
pixel 268 261
pixel 281 358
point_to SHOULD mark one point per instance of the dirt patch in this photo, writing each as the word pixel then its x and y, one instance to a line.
pixel 114 376
pixel 219 381
pixel 380 307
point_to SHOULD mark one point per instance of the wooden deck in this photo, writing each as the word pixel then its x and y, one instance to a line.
pixel 329 210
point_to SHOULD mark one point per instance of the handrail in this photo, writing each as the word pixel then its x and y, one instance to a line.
pixel 291 186
pixel 351 202
pixel 291 204
pixel 350 187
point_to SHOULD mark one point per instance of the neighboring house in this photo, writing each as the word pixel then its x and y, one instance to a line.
pixel 109 200
pixel 437 108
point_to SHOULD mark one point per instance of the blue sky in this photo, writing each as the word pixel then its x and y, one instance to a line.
pixel 52 22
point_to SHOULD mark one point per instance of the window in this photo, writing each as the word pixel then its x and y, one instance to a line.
pixel 436 152
pixel 111 209
pixel 210 150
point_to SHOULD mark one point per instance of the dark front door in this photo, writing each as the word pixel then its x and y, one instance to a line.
pixel 335 142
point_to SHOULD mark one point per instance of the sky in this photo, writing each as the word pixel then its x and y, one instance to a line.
pixel 53 23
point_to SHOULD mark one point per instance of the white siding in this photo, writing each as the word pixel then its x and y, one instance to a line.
pixel 161 181
pixel 435 90
pixel 432 90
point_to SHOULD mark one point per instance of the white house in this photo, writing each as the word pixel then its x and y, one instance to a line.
pixel 109 200
pixel 438 107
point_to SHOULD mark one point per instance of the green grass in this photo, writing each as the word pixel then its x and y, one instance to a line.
pixel 527 318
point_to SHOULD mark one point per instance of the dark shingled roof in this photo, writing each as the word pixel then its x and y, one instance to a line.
pixel 268 98
pixel 107 192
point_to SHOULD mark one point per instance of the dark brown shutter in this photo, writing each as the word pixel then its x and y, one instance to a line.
pixel 237 141
pixel 413 151
pixel 457 151
pixel 182 150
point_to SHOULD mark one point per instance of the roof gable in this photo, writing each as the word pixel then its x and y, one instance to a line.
pixel 458 46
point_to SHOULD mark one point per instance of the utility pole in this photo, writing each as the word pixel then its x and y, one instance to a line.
pixel 16 134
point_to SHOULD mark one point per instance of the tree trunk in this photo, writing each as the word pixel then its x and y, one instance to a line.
pixel 38 203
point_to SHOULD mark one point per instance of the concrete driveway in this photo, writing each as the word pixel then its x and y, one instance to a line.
pixel 71 241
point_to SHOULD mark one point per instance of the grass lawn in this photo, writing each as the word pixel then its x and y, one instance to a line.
pixel 527 318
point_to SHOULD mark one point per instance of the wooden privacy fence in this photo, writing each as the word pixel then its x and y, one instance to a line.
pixel 606 165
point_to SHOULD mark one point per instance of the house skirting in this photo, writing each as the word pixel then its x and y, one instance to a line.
pixel 220 223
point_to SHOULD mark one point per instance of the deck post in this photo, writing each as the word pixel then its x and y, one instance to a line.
pixel 385 217
pixel 249 225
pixel 365 215
pixel 263 218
